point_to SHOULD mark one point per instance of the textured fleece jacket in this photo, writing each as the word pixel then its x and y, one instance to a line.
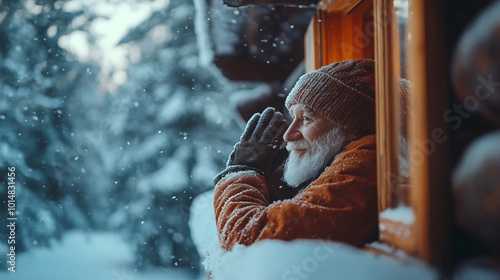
pixel 340 205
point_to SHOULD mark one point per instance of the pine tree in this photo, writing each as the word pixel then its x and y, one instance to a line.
pixel 129 161
pixel 36 79
pixel 170 131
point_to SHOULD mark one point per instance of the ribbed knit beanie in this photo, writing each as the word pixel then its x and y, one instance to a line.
pixel 342 92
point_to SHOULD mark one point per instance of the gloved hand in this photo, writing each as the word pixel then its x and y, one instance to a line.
pixel 260 141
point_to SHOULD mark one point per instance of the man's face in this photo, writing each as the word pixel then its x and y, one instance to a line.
pixel 312 141
pixel 306 124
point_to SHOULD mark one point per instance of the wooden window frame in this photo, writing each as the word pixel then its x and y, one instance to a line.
pixel 427 237
pixel 329 38
pixel 401 234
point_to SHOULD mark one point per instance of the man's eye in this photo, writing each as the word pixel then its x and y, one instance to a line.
pixel 306 119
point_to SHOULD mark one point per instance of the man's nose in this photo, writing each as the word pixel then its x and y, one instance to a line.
pixel 292 133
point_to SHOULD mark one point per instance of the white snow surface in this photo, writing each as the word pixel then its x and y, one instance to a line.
pixel 206 54
pixel 202 225
pixel 85 256
pixel 295 260
pixel 310 259
pixel 403 214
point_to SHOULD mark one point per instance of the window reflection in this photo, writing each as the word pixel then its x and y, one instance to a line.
pixel 403 87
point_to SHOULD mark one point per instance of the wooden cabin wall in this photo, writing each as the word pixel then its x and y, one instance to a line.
pixel 460 14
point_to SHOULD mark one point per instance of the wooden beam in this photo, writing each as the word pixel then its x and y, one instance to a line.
pixel 240 3
pixel 428 133
pixel 387 108
pixel 338 6
pixel 311 47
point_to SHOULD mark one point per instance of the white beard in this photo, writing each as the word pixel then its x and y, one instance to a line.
pixel 300 168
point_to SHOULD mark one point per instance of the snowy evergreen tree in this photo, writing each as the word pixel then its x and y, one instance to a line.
pixel 172 131
pixel 145 151
pixel 87 159
pixel 37 78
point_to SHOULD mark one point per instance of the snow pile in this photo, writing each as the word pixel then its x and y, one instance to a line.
pixel 203 229
pixel 295 260
pixel 403 214
pixel 84 256
pixel 310 259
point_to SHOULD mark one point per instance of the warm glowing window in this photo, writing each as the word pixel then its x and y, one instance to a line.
pixel 341 31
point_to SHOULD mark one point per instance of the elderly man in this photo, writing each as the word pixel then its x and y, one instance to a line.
pixel 332 162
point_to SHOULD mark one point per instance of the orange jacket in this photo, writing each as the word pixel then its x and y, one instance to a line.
pixel 340 205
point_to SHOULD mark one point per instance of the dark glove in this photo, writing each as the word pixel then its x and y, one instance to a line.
pixel 260 141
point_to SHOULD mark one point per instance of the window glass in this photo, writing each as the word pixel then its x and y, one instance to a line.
pixel 397 219
pixel 403 88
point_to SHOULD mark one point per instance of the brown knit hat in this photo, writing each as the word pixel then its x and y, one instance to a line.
pixel 342 92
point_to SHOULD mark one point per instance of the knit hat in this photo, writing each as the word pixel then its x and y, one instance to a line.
pixel 342 92
pixel 405 105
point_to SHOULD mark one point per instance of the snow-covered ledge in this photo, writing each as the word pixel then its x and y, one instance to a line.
pixel 295 260
pixel 310 259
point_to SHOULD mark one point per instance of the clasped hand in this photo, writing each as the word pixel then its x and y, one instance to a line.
pixel 260 141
